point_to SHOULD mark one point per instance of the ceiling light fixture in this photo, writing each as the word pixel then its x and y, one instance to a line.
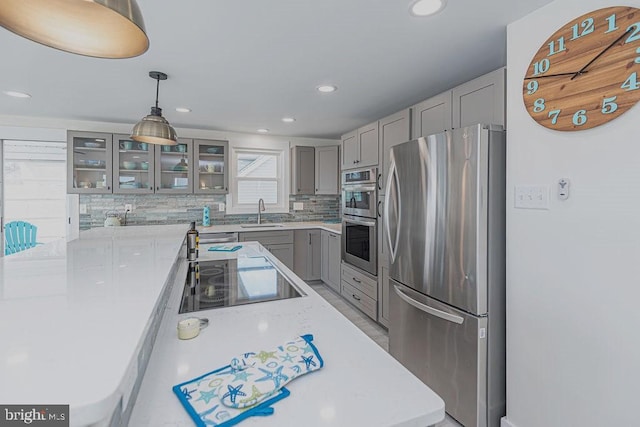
pixel 288 119
pixel 183 110
pixel 98 28
pixel 426 7
pixel 154 128
pixel 327 88
pixel 263 130
pixel 16 94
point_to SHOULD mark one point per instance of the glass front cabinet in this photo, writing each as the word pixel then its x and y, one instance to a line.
pixel 133 166
pixel 113 163
pixel 89 160
pixel 210 173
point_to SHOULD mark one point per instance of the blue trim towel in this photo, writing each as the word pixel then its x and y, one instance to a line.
pixel 261 375
pixel 201 401
pixel 225 248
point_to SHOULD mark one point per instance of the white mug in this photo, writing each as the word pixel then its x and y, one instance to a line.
pixel 190 327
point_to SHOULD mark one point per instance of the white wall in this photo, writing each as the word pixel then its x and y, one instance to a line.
pixel 573 287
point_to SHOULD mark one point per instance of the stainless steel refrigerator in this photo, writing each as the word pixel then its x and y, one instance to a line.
pixel 445 230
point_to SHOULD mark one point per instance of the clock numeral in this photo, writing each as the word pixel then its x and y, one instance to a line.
pixel 552 45
pixel 554 116
pixel 608 105
pixel 612 23
pixel 541 66
pixel 580 117
pixel 631 83
pixel 532 87
pixel 635 35
pixel 587 28
pixel 538 105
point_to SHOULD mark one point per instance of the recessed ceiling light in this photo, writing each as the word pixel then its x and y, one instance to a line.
pixel 288 119
pixel 327 88
pixel 16 94
pixel 426 7
pixel 183 110
pixel 263 130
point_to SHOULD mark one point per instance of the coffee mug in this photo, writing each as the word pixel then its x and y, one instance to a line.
pixel 181 148
pixel 190 328
pixel 126 145
pixel 144 146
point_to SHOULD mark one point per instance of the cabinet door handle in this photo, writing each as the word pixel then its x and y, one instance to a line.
pixel 378 182
pixel 356 280
pixel 108 188
pixel 309 239
pixel 355 297
pixel 157 188
pixel 332 235
pixel 150 188
pixel 378 209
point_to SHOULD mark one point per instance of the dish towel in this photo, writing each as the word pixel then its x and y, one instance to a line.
pixel 263 374
pixel 201 401
pixel 225 248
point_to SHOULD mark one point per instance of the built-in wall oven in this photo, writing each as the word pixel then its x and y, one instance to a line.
pixel 359 225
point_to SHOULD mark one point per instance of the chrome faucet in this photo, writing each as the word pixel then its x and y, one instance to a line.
pixel 260 210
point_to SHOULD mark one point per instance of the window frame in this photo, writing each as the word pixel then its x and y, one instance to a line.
pixel 281 151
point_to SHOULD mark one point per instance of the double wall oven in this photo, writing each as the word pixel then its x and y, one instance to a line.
pixel 359 225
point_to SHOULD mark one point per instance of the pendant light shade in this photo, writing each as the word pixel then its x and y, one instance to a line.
pixel 155 129
pixel 98 28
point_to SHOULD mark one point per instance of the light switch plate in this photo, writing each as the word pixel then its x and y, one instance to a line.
pixel 221 207
pixel 298 206
pixel 128 207
pixel 531 197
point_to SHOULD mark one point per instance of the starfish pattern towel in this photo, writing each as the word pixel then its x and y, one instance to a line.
pixel 200 398
pixel 261 375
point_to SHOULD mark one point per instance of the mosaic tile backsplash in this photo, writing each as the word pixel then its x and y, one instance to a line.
pixel 182 209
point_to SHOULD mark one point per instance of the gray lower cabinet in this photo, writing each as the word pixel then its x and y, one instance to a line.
pixel 394 129
pixel 279 243
pixel 431 116
pixel 302 170
pixel 331 256
pixel 307 259
pixel 481 100
pixel 327 170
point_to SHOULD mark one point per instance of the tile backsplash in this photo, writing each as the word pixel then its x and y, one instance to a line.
pixel 182 209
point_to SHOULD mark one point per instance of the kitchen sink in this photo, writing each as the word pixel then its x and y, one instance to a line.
pixel 259 225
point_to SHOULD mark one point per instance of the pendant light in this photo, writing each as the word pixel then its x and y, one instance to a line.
pixel 154 128
pixel 98 28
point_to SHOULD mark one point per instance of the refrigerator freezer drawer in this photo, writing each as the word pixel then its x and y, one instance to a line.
pixel 446 348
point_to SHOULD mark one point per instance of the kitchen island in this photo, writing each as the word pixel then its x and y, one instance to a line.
pixel 78 321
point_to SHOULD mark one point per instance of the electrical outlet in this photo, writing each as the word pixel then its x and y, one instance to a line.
pixel 83 208
pixel 128 207
pixel 221 207
pixel 298 206
pixel 531 197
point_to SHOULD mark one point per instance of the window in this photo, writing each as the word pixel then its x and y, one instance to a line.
pixel 259 173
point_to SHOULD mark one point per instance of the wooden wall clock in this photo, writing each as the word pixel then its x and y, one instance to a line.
pixel 586 73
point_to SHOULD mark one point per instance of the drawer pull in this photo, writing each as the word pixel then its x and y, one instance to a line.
pixel 355 297
pixel 356 280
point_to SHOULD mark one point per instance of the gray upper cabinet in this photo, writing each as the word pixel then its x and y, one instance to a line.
pixel 432 116
pixel 350 150
pixel 394 129
pixel 360 147
pixel 327 173
pixel 303 170
pixel 481 100
pixel 211 161
pixel 173 174
pixel 133 166
pixel 89 162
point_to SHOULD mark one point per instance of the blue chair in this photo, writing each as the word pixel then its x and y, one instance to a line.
pixel 19 236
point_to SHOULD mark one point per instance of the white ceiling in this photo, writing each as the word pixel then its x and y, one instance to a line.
pixel 243 65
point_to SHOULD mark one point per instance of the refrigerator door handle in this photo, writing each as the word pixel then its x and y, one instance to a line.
pixel 393 198
pixel 430 310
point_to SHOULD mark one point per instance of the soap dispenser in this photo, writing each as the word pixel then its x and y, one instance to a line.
pixel 206 217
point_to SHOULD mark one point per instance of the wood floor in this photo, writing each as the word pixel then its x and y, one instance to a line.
pixel 376 332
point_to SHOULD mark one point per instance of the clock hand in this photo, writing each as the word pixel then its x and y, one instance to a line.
pixel 601 53
pixel 554 75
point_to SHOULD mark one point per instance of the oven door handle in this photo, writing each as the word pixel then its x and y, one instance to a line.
pixel 359 222
pixel 349 187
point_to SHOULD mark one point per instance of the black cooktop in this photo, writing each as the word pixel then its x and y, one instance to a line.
pixel 224 283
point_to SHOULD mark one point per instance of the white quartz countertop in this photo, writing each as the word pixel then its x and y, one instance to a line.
pixel 359 385
pixel 238 228
pixel 73 313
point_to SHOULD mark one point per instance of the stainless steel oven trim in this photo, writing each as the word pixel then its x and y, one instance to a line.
pixel 371 211
pixel 373 173
pixel 370 266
